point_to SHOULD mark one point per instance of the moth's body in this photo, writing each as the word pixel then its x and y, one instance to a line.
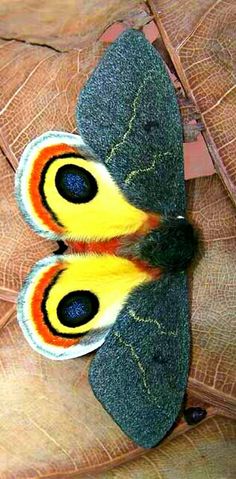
pixel 168 247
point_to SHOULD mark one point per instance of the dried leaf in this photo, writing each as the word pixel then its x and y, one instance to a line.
pixel 213 287
pixel 50 406
pixel 200 38
pixel 67 24
pixel 39 91
pixel 7 311
pixel 205 452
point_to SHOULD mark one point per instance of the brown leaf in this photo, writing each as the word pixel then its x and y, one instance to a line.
pixel 67 24
pixel 7 311
pixel 212 374
pixel 39 92
pixel 205 452
pixel 50 421
pixel 200 38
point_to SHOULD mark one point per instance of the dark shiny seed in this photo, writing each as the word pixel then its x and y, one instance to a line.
pixel 194 415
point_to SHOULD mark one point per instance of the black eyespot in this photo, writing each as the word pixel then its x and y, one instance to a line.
pixel 77 308
pixel 76 184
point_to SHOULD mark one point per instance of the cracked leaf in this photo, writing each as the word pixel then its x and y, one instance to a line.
pixel 67 24
pixel 38 94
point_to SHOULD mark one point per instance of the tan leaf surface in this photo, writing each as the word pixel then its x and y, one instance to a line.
pixel 66 24
pixel 7 312
pixel 213 287
pixel 39 91
pixel 207 452
pixel 50 421
pixel 201 40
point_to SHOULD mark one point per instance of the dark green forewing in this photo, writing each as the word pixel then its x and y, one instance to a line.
pixel 140 373
pixel 128 115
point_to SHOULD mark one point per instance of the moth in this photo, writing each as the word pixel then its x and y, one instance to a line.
pixel 116 190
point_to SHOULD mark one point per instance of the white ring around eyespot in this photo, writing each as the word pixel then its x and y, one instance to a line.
pixel 21 178
pixel 49 351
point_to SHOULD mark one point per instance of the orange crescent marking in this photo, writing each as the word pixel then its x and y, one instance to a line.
pixel 34 181
pixel 37 315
